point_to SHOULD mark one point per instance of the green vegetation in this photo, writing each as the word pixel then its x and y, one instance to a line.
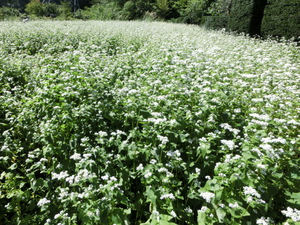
pixel 246 16
pixel 9 13
pixel 146 123
pixel 241 15
pixel 215 22
pixel 282 18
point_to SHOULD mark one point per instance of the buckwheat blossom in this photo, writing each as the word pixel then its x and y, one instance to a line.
pixel 274 140
pixel 260 117
pixel 153 161
pixel 70 179
pixel 207 177
pixel 157 120
pixel 291 213
pixel 174 154
pixel 261 123
pixel 203 209
pixel 164 140
pixel 264 221
pixel 207 196
pixel 147 174
pixel 266 147
pixel 113 179
pixel 251 191
pixel 63 193
pixel 163 169
pixel 140 167
pixel 102 134
pixel 222 205
pixel 42 202
pixel 169 196
pixel 173 214
pixel 188 210
pixel 294 122
pixel 230 144
pixel 76 156
pixel 60 176
pixel 234 205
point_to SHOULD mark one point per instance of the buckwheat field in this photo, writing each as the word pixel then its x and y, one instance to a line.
pixel 147 123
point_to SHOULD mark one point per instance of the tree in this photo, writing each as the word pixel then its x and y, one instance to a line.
pixel 65 9
pixel 35 7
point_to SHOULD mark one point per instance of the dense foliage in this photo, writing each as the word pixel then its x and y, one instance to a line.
pixel 282 18
pixel 153 123
pixel 183 10
pixel 215 22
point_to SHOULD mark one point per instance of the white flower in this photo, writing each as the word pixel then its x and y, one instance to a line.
pixel 251 191
pixel 163 169
pixel 264 221
pixel 170 196
pixel 207 196
pixel 294 214
pixel 266 147
pixel 60 176
pixel 140 167
pixel 153 161
pixel 249 199
pixel 203 209
pixel 174 154
pixel 222 205
pixel 147 174
pixel 157 120
pixel 76 156
pixel 230 144
pixel 188 210
pixel 173 213
pixel 260 117
pixel 70 179
pixel 207 177
pixel 164 140
pixel 261 166
pixel 233 206
pixel 113 179
pixel 42 202
pixel 238 110
pixel 105 177
pixel 102 133
pixel 43 160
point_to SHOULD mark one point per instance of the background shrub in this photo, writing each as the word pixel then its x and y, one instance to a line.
pixel 215 22
pixel 246 16
pixel 108 11
pixel 35 8
pixel 282 18
pixel 7 13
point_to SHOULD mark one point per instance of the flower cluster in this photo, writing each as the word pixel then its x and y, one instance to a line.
pixel 106 122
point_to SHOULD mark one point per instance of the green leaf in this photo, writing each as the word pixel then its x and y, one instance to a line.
pixel 119 216
pixel 220 214
pixel 165 220
pixel 201 218
pixel 294 198
pixel 151 197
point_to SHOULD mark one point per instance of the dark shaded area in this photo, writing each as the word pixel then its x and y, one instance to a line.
pixel 257 17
